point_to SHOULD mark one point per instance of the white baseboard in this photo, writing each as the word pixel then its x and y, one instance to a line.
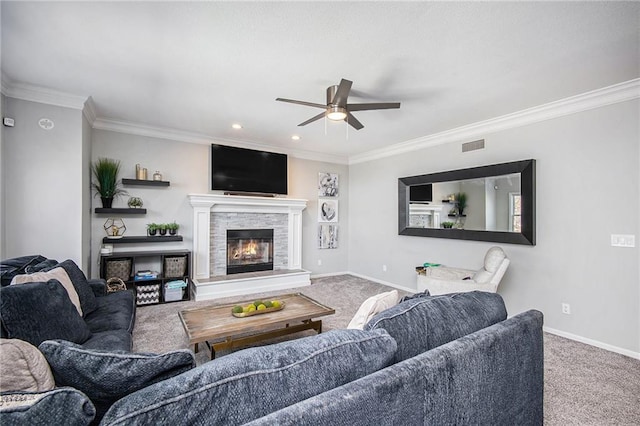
pixel 387 283
pixel 329 274
pixel 592 342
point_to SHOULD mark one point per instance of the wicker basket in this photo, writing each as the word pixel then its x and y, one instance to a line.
pixel 175 267
pixel 120 268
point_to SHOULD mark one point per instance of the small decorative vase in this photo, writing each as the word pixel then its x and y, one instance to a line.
pixel 153 232
pixel 163 232
pixel 173 231
pixel 106 202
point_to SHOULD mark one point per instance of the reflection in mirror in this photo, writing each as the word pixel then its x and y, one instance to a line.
pixel 489 203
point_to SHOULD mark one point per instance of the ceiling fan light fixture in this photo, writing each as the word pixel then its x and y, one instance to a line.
pixel 336 113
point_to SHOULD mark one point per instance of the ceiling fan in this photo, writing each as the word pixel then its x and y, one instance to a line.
pixel 338 109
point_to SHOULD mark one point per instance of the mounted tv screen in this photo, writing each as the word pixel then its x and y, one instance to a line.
pixel 247 170
pixel 420 193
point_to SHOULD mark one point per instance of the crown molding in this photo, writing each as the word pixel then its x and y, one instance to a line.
pixel 44 95
pixel 616 93
pixel 188 137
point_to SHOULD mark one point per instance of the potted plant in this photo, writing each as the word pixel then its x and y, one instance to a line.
pixel 162 228
pixel 173 228
pixel 461 199
pixel 105 173
pixel 447 225
pixel 134 202
pixel 152 228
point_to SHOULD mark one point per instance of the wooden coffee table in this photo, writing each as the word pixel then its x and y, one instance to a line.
pixel 219 329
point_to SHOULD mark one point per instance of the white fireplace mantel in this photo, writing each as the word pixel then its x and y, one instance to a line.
pixel 204 204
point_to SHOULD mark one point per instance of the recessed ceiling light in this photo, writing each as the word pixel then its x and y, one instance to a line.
pixel 236 126
pixel 295 137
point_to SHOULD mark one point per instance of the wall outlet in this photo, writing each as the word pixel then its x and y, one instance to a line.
pixel 319 262
pixel 566 308
pixel 384 268
pixel 618 240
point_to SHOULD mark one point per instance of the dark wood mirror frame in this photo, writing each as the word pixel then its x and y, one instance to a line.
pixel 527 170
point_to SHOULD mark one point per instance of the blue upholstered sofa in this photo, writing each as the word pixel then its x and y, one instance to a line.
pixel 106 322
pixel 449 359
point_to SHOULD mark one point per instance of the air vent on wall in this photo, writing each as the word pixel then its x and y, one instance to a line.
pixel 472 146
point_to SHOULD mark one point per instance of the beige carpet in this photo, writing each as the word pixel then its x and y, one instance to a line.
pixel 584 385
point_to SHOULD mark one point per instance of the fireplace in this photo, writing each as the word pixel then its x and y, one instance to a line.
pixel 249 250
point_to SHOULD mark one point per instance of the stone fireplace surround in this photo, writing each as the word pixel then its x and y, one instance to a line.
pixel 210 283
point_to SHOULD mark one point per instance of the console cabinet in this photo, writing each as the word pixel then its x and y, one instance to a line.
pixel 169 266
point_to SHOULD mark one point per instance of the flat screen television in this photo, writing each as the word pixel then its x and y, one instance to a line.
pixel 421 193
pixel 246 170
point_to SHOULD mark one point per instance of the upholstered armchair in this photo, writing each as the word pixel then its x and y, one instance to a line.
pixel 443 280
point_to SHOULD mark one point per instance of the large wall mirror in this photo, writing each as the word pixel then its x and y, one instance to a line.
pixel 488 203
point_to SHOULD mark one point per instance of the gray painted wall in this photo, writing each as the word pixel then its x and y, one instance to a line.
pixel 585 162
pixel 44 188
pixel 186 166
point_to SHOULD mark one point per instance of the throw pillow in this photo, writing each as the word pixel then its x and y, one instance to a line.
pixel 54 274
pixel 36 312
pixel 372 306
pixel 105 376
pixel 64 406
pixel 422 324
pixel 482 276
pixel 79 280
pixel 23 367
pixel 251 383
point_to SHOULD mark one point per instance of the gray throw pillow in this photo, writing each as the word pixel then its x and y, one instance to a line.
pixel 40 311
pixel 424 323
pixel 251 383
pixel 79 280
pixel 107 376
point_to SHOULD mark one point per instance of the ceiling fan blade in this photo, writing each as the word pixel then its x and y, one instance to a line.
pixel 342 93
pixel 378 105
pixel 311 120
pixel 353 121
pixel 311 104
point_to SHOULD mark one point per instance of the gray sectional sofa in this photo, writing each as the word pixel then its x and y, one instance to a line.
pixel 449 359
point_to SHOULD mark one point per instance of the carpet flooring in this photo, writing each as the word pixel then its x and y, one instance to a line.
pixel 584 385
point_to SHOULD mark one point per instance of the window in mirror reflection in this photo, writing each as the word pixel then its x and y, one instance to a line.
pixel 515 212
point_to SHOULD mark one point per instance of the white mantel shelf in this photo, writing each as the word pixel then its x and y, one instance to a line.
pixel 205 286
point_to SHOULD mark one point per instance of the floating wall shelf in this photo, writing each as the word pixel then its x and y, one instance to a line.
pixel 141 182
pixel 120 211
pixel 142 239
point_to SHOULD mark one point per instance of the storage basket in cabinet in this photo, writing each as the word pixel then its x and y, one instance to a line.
pixel 174 290
pixel 147 294
pixel 118 268
pixel 175 267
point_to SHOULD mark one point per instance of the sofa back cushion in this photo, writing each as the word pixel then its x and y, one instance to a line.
pixel 253 382
pixel 421 324
pixel 62 406
pixel 36 312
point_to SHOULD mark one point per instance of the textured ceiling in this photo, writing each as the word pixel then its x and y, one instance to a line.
pixel 198 67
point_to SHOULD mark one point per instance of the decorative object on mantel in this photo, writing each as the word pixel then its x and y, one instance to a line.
pixel 141 173
pixel 162 228
pixel 135 202
pixel 327 236
pixel 327 184
pixel 105 173
pixel 447 225
pixel 114 227
pixel 157 175
pixel 152 228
